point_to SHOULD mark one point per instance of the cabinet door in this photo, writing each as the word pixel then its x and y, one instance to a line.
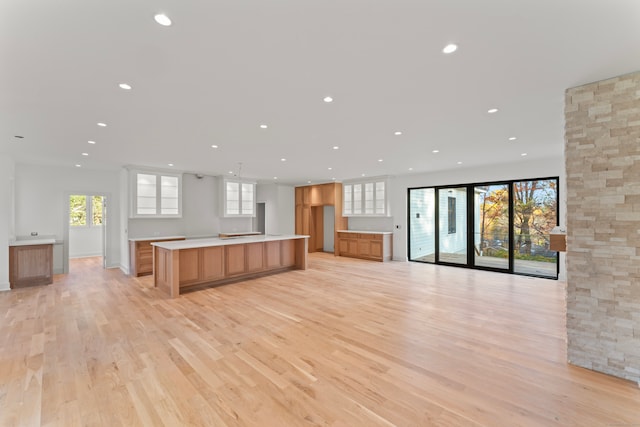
pixel 306 195
pixel 364 247
pixel 288 252
pixel 212 263
pixel 189 266
pixel 353 247
pixel 376 249
pixel 255 256
pixel 316 195
pixel 343 245
pixel 272 254
pixel 299 195
pixel 328 194
pixel 234 256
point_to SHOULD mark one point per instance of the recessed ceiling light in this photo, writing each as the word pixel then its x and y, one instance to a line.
pixel 91 142
pixel 102 125
pixel 492 110
pixel 275 177
pixel 263 126
pixel 435 151
pixel 333 179
pixel 380 160
pixel 410 169
pixel 169 164
pixel 523 154
pixel 283 159
pixel 459 163
pixel 78 166
pixel 329 168
pixel 363 175
pixel 335 147
pixel 328 99
pixel 85 154
pixel 450 48
pixel 125 86
pixel 214 146
pixel 397 133
pixel 512 138
pixel 230 171
pixel 162 19
pixel 308 182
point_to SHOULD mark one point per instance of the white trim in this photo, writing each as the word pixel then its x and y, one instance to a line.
pixel 5 287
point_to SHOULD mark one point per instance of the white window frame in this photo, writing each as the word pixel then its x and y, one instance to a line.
pixel 133 182
pixel 379 207
pixel 241 202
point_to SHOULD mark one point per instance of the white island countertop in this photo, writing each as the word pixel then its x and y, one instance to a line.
pixel 144 239
pixel 365 232
pixel 30 242
pixel 204 243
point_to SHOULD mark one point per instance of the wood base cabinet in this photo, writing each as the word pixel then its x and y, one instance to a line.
pixel 30 265
pixel 373 246
pixel 141 255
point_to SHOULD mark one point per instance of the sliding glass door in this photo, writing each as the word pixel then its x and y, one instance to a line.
pixel 499 226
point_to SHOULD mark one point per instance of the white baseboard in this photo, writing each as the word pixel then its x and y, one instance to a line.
pixel 123 268
pixel 5 286
pixel 85 255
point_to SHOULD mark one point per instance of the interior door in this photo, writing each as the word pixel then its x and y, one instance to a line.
pixel 104 232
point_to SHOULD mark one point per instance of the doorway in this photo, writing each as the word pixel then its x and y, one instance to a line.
pixel 259 221
pixel 85 230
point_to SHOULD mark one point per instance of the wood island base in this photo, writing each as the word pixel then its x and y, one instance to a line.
pixel 181 265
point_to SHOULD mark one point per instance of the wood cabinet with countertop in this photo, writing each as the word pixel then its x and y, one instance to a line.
pixel 310 201
pixel 373 245
pixel 141 254
pixel 30 263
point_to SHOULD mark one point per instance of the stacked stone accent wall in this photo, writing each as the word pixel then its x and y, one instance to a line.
pixel 602 154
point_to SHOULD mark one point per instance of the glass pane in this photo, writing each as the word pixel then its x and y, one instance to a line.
pixel 77 210
pixel 453 225
pixel 96 212
pixel 422 225
pixel 535 214
pixel 347 204
pixel 146 194
pixel 247 199
pixel 357 199
pixel 491 235
pixel 233 198
pixel 368 198
pixel 380 198
pixel 169 195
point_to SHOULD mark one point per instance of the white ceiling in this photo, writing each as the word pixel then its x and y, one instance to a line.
pixel 225 67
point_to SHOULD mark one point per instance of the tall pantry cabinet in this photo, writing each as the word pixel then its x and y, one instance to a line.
pixel 310 221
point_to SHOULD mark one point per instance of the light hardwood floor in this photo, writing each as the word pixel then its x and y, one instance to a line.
pixel 345 343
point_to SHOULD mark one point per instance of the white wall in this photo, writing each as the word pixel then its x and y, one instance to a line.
pixel 85 241
pixel 41 194
pixel 517 170
pixel 328 228
pixel 279 207
pixel 7 169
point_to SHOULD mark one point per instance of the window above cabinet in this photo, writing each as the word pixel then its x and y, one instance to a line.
pixel 365 197
pixel 155 194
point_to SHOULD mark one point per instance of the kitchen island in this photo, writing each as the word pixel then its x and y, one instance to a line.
pixel 179 265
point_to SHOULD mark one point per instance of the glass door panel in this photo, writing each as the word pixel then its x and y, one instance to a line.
pixel 422 225
pixel 491 226
pixel 535 214
pixel 452 227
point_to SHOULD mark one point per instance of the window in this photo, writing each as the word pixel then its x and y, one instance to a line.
pixel 365 199
pixel 156 195
pixel 452 214
pixel 239 198
pixel 83 214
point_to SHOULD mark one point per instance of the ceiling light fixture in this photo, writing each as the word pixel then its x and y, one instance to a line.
pixel 512 138
pixel 492 110
pixel 283 159
pixel 85 154
pixel 335 147
pixel 275 177
pixel 329 168
pixel 170 164
pixel 410 169
pixel 78 166
pixel 91 142
pixel 102 125
pixel 328 99
pixel 162 19
pixel 125 86
pixel 459 163
pixel 397 133
pixel 308 182
pixel 214 146
pixel 523 154
pixel 450 48
pixel 435 151
pixel 380 160
pixel 363 175
pixel 263 126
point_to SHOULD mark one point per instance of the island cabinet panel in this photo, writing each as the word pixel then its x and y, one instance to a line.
pixel 235 259
pixel 212 263
pixel 255 257
pixel 272 255
pixel 141 255
pixel 180 265
pixel 288 252
pixel 376 249
pixel 189 266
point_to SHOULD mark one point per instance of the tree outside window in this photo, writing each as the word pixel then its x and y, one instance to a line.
pixel 80 210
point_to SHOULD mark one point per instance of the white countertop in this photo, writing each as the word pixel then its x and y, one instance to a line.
pixel 142 239
pixel 365 232
pixel 203 243
pixel 31 242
